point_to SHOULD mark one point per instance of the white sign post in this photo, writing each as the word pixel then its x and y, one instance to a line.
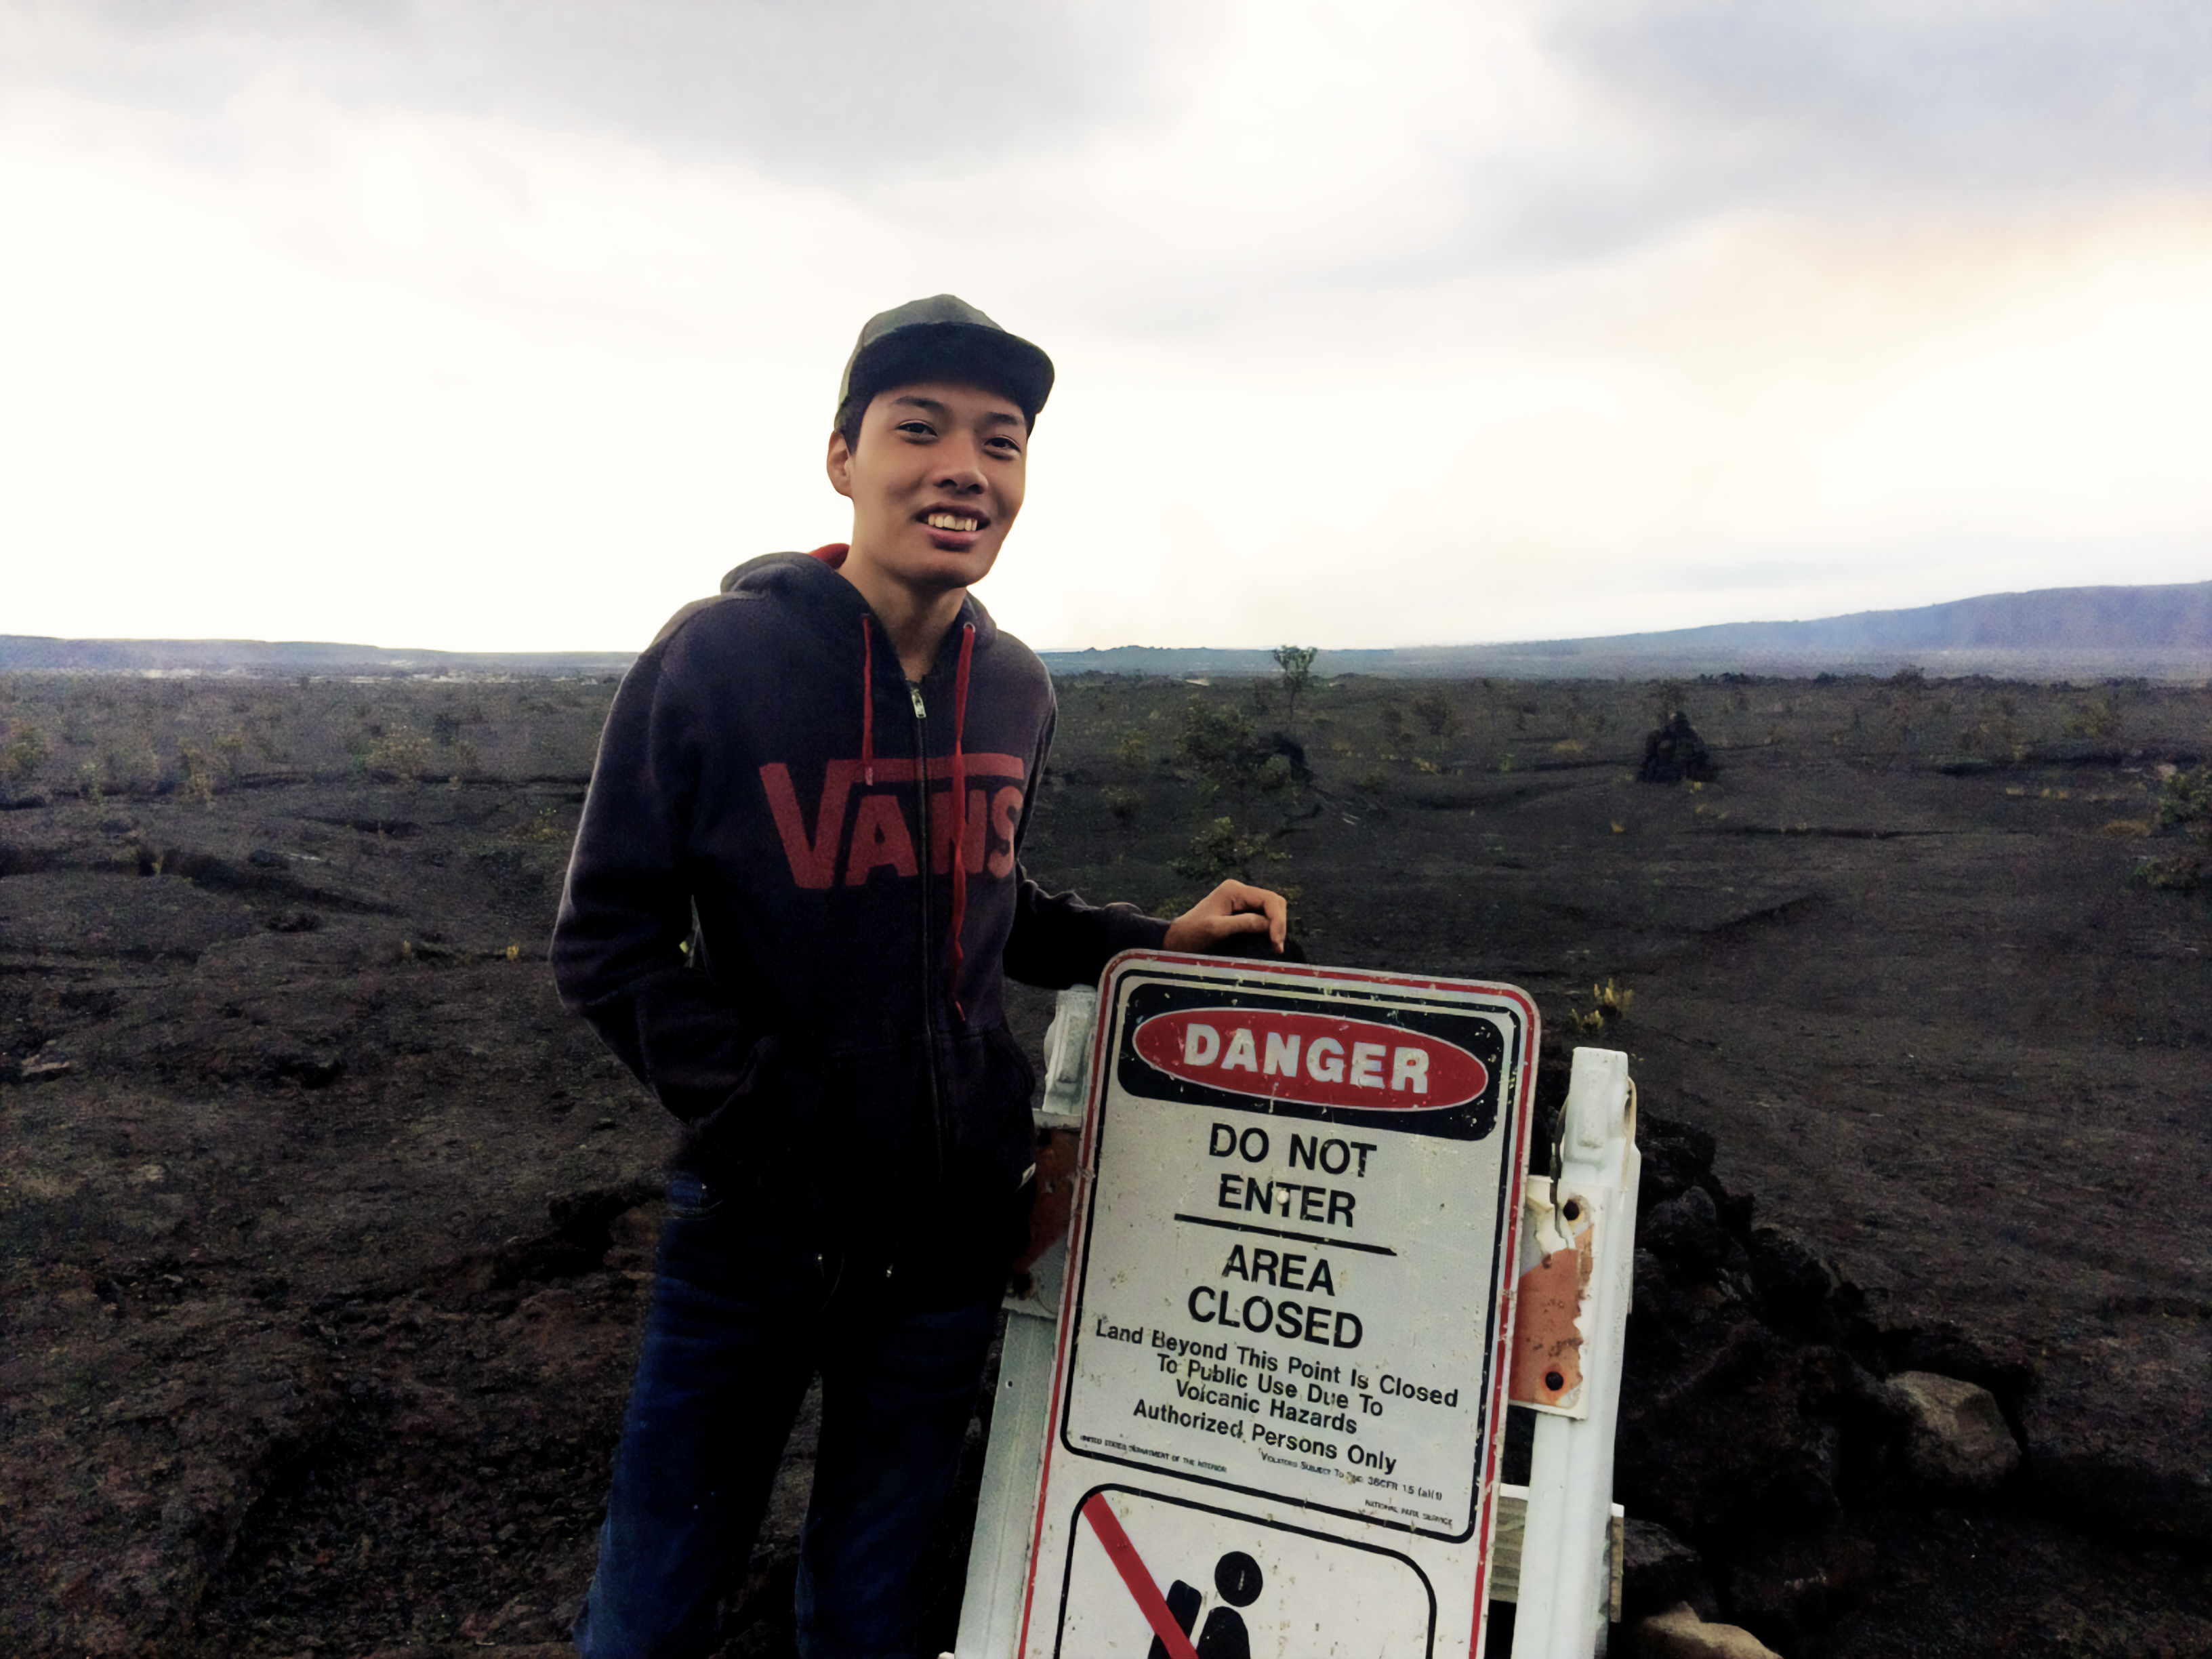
pixel 1283 1344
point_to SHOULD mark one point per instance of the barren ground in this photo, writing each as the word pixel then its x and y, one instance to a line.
pixel 327 1232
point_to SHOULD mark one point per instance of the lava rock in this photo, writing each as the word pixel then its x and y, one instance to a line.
pixel 1686 1229
pixel 1958 1437
pixel 1741 1438
pixel 1676 1156
pixel 1676 754
pixel 1658 1570
pixel 1796 1284
pixel 1679 1634
pixel 1788 1588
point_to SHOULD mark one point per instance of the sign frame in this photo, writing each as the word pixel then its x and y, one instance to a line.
pixel 1142 987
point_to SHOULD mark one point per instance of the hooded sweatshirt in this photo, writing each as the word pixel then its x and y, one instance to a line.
pixel 791 923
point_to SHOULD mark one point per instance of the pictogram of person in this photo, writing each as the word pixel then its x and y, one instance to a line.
pixel 1237 1580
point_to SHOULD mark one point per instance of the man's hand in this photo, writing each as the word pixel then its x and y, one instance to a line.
pixel 1231 909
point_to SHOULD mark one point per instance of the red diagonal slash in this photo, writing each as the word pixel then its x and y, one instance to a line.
pixel 1127 1562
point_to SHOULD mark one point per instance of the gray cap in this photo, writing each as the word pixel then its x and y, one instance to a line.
pixel 943 338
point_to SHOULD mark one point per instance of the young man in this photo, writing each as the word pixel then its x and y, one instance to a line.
pixel 795 894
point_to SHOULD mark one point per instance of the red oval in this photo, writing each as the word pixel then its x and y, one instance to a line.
pixel 1316 1060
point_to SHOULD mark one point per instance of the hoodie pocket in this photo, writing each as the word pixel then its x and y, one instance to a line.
pixel 1000 1134
pixel 909 1118
pixel 767 1118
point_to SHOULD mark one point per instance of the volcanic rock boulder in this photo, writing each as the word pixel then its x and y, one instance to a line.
pixel 1679 1634
pixel 1676 754
pixel 1958 1437
pixel 1659 1572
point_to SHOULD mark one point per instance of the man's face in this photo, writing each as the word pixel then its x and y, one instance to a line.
pixel 935 482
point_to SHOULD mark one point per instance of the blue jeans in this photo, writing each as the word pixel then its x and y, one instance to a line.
pixel 743 1315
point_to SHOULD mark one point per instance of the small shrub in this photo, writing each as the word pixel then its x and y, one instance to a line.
pixel 2186 800
pixel 2093 718
pixel 1296 663
pixel 1666 699
pixel 1123 803
pixel 1608 1002
pixel 1372 782
pixel 538 831
pixel 1217 741
pixel 1131 750
pixel 26 752
pixel 2182 873
pixel 1220 851
pixel 1434 709
pixel 199 775
pixel 397 753
pixel 130 766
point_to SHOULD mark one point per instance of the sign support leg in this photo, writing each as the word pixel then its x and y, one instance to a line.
pixel 1565 1589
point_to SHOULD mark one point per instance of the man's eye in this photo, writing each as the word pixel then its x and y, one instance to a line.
pixel 921 428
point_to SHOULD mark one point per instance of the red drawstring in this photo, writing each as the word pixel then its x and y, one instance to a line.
pixel 867 702
pixel 960 809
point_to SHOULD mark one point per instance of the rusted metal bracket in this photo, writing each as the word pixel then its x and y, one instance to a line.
pixel 1559 1239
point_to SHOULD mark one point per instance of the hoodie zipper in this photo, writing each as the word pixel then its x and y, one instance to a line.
pixel 928 977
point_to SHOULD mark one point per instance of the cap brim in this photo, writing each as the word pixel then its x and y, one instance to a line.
pixel 964 352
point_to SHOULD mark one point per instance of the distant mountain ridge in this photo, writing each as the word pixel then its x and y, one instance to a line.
pixel 2175 616
pixel 2161 631
pixel 38 652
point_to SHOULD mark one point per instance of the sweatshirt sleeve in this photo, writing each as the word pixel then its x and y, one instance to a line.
pixel 619 946
pixel 1060 939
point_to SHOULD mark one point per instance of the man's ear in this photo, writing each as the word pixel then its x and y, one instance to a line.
pixel 840 464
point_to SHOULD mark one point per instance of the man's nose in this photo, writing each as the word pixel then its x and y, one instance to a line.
pixel 961 463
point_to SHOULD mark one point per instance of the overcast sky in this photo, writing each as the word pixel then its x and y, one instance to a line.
pixel 513 323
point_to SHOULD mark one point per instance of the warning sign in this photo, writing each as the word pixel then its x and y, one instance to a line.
pixel 1281 1362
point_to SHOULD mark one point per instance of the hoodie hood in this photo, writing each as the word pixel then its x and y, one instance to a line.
pixel 810 584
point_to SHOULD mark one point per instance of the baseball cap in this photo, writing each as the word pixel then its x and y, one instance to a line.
pixel 943 338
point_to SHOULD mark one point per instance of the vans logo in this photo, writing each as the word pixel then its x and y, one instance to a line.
pixel 850 843
pixel 1316 1059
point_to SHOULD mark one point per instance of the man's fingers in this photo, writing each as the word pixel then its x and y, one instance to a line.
pixel 1253 908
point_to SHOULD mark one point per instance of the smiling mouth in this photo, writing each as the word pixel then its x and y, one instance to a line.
pixel 961 522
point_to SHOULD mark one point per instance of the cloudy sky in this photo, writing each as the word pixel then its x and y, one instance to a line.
pixel 512 324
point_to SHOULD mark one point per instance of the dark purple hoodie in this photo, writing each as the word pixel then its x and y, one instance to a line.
pixel 763 916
